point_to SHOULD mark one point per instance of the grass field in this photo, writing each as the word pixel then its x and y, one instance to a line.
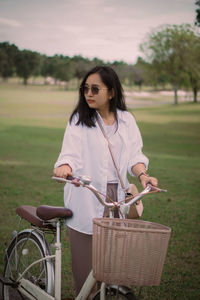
pixel 32 123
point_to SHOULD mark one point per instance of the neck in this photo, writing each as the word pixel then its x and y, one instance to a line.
pixel 107 117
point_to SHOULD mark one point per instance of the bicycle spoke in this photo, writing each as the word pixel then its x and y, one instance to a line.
pixel 22 252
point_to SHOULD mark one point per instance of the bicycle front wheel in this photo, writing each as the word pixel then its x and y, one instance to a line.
pixel 27 247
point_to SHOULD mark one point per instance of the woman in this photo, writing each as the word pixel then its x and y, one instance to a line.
pixel 85 151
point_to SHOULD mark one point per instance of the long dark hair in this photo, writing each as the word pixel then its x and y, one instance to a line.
pixel 87 115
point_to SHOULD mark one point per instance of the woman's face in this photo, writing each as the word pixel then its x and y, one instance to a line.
pixel 96 93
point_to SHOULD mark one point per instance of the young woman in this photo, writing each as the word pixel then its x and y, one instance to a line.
pixel 85 151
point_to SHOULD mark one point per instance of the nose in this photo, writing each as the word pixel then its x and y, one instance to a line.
pixel 90 92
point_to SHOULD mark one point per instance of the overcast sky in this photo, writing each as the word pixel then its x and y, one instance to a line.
pixel 107 29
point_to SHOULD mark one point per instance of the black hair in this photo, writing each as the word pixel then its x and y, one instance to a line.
pixel 87 115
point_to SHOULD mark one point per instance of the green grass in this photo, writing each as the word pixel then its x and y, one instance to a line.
pixel 32 123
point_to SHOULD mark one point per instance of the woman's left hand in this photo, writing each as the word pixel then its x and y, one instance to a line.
pixel 144 179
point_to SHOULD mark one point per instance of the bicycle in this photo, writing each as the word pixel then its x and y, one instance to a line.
pixel 30 270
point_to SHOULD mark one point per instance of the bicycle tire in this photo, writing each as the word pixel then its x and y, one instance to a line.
pixel 114 293
pixel 27 247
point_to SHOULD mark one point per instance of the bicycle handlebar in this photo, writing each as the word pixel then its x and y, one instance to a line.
pixel 85 181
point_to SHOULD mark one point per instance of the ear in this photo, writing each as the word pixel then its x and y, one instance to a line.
pixel 111 94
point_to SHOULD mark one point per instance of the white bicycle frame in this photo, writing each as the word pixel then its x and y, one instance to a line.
pixel 34 292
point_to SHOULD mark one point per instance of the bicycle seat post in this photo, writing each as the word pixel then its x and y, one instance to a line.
pixel 58 261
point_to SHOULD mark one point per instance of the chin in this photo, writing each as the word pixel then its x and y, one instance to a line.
pixel 92 105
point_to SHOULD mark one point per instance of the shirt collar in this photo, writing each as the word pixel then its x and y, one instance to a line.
pixel 120 114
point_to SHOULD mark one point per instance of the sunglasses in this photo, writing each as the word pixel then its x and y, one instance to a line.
pixel 94 89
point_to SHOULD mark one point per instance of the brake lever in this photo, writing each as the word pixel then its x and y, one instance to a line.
pixel 155 189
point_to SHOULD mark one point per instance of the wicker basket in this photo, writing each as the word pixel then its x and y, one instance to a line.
pixel 129 252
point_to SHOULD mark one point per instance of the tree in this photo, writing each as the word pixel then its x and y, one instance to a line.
pixel 129 71
pixel 63 69
pixel 197 21
pixel 167 49
pixel 137 76
pixel 81 66
pixel 192 64
pixel 139 72
pixel 26 64
pixel 48 65
pixel 8 55
pixel 96 62
pixel 121 69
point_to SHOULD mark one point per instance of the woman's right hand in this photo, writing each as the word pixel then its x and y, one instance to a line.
pixel 63 171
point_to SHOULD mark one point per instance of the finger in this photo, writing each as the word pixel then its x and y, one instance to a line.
pixel 76 182
pixel 69 171
pixel 144 183
pixel 153 181
pixel 55 172
pixel 66 171
pixel 66 174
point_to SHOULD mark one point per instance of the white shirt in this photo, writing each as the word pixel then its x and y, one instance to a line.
pixel 86 151
pixel 116 145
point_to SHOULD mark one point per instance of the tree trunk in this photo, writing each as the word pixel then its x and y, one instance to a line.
pixel 195 91
pixel 25 80
pixel 175 95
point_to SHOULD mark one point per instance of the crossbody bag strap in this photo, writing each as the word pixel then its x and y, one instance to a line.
pixel 111 153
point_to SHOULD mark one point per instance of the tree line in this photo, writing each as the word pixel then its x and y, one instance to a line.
pixel 26 63
pixel 171 55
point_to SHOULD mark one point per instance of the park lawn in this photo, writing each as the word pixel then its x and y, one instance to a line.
pixel 32 124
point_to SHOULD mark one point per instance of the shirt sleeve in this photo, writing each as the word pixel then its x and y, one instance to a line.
pixel 71 151
pixel 136 145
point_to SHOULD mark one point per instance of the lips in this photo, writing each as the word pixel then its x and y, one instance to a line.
pixel 90 101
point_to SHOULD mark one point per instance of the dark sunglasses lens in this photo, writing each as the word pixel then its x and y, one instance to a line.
pixel 95 90
pixel 85 89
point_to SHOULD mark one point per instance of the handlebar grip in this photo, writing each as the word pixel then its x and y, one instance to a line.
pixel 69 177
